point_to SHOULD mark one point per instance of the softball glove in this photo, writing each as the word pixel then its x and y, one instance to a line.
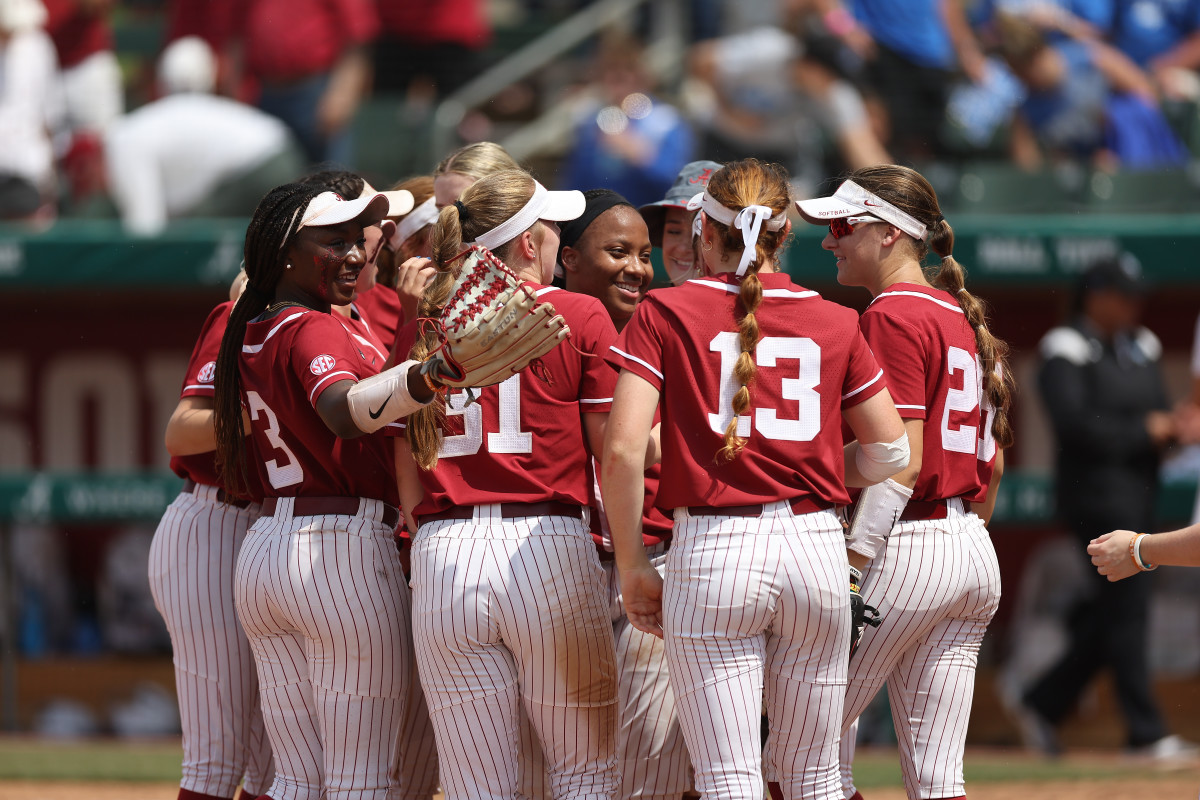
pixel 493 325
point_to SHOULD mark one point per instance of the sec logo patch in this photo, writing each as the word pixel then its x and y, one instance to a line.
pixel 321 364
pixel 207 372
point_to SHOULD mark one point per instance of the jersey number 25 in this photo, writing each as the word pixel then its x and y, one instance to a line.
pixel 967 438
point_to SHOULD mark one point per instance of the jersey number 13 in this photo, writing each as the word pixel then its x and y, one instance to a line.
pixel 805 426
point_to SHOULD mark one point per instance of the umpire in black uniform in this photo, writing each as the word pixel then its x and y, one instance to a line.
pixel 1103 388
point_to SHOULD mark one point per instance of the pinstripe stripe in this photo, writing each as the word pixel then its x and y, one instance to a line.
pixel 510 612
pixel 191 565
pixel 937 584
pixel 653 756
pixel 325 605
pixel 751 606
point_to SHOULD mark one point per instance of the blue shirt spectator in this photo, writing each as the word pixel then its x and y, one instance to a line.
pixel 1145 29
pixel 625 139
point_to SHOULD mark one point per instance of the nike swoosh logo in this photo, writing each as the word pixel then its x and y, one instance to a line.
pixel 869 203
pixel 375 414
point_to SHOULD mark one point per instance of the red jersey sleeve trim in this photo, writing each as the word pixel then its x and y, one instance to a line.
pixel 636 360
pixel 312 396
pixel 865 386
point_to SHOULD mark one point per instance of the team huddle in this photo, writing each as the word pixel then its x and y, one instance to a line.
pixel 615 559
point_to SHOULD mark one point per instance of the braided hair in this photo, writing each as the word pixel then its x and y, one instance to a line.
pixel 736 185
pixel 272 229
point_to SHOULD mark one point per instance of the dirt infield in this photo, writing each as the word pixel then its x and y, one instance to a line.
pixel 1167 788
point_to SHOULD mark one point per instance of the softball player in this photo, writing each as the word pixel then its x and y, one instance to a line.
pixel 464 166
pixel 605 252
pixel 509 600
pixel 405 264
pixel 318 585
pixel 755 587
pixel 670 221
pixel 191 577
pixel 377 304
pixel 932 571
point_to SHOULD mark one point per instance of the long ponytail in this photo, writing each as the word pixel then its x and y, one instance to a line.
pixel 483 206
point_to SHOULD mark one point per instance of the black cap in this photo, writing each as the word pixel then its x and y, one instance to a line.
pixel 1121 273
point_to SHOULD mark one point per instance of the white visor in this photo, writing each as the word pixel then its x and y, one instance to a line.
pixel 329 208
pixel 400 201
pixel 554 206
pixel 749 220
pixel 850 200
pixel 418 218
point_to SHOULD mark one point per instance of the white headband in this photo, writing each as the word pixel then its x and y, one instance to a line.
pixel 749 221
pixel 419 217
pixel 554 206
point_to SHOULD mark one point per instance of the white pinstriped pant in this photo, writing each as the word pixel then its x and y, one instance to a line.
pixel 510 611
pixel 748 601
pixel 191 565
pixel 653 756
pixel 417 759
pixel 937 585
pixel 324 604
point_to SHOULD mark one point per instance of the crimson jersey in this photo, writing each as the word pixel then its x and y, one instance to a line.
pixel 380 307
pixel 657 523
pixel 287 361
pixel 523 440
pixel 812 363
pixel 198 382
pixel 366 337
pixel 927 348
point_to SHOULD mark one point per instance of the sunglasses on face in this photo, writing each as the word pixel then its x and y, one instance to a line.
pixel 845 226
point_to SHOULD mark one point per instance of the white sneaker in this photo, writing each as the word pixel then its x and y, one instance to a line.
pixel 1168 750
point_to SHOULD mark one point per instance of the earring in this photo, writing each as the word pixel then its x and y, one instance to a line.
pixel 289 266
pixel 706 246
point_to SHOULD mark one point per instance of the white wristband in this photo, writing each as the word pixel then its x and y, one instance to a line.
pixel 875 514
pixel 877 461
pixel 382 398
pixel 1138 562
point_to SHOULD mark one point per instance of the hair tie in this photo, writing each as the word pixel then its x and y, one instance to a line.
pixel 463 215
pixel 946 257
pixel 938 218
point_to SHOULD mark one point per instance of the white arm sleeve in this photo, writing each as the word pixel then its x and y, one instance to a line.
pixel 382 398
pixel 876 512
pixel 877 461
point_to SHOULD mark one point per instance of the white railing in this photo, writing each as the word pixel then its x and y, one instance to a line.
pixel 664 53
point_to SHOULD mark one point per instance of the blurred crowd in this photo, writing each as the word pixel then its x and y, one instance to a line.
pixel 263 88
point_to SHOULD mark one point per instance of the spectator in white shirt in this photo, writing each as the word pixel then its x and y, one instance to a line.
pixel 192 153
pixel 30 108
